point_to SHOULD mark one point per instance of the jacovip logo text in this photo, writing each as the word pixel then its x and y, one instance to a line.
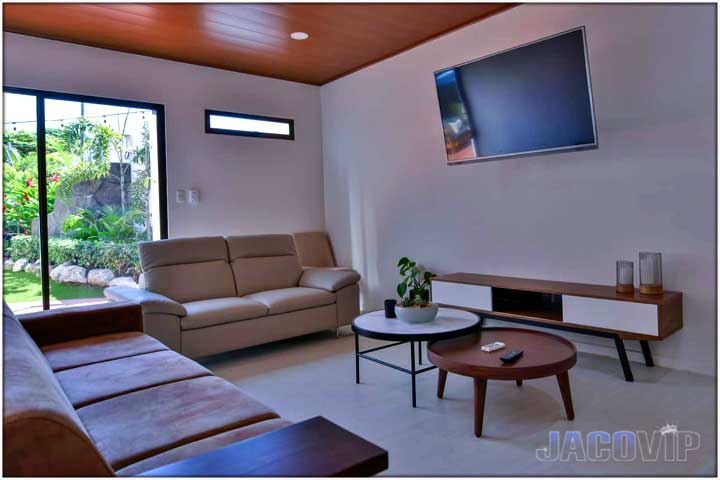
pixel 665 444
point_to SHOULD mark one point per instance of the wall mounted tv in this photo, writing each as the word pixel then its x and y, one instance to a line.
pixel 531 99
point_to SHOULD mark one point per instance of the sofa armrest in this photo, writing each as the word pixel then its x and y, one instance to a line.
pixel 328 278
pixel 73 323
pixel 149 301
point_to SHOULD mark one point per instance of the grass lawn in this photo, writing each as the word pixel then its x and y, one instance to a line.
pixel 26 287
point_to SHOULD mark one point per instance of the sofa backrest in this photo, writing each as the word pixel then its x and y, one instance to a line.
pixel 42 434
pixel 263 262
pixel 187 269
pixel 314 249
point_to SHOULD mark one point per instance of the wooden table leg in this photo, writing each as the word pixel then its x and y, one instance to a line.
pixel 518 383
pixel 564 383
pixel 442 376
pixel 480 387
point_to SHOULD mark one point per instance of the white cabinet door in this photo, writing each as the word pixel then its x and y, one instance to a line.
pixel 611 314
pixel 462 295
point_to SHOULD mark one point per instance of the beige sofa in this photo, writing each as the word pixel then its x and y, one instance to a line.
pixel 213 294
pixel 86 393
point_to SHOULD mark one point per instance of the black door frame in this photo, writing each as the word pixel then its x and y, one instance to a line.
pixel 40 97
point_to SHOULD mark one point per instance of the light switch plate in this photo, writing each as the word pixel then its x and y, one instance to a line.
pixel 193 197
pixel 180 196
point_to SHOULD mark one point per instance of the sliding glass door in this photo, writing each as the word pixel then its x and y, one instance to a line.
pixel 22 287
pixel 84 182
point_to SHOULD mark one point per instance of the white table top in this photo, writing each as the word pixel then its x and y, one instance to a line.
pixel 447 320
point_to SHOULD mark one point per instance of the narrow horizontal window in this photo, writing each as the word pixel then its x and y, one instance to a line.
pixel 246 125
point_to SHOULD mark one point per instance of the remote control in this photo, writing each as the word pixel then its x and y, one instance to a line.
pixel 491 347
pixel 512 356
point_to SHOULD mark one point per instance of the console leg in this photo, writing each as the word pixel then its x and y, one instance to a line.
pixel 624 359
pixel 420 353
pixel 646 353
pixel 412 370
pixel 357 359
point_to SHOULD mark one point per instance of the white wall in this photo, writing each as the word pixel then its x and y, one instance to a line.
pixel 569 216
pixel 247 185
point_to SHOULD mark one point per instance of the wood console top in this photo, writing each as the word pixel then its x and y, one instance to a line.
pixel 313 448
pixel 559 288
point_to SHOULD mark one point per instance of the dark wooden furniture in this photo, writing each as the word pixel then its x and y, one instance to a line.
pixel 589 309
pixel 449 323
pixel 313 448
pixel 544 355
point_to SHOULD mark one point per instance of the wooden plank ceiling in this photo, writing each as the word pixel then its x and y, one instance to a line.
pixel 250 38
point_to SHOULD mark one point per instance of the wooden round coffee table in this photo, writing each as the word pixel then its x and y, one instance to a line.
pixel 544 355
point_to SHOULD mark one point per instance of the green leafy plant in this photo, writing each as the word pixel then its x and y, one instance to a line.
pixel 105 224
pixel 414 289
pixel 120 257
pixel 80 151
pixel 20 197
pixel 77 152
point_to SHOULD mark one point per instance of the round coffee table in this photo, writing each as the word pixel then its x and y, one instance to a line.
pixel 544 355
pixel 449 323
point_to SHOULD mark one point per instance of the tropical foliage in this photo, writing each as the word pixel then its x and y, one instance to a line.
pixel 121 257
pixel 106 223
pixel 78 151
pixel 20 194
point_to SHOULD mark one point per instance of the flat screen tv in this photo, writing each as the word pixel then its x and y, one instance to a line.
pixel 531 99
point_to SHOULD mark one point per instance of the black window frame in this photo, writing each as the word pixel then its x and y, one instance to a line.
pixel 40 97
pixel 239 133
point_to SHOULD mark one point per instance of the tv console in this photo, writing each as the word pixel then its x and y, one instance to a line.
pixel 589 309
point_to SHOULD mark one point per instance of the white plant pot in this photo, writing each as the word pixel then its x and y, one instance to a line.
pixel 417 314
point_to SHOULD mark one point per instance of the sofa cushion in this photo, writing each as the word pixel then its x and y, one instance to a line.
pixel 205 313
pixel 139 425
pixel 290 299
pixel 41 430
pixel 263 262
pixel 100 381
pixel 203 446
pixel 187 269
pixel 102 348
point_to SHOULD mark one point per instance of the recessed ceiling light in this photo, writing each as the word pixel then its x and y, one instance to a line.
pixel 299 35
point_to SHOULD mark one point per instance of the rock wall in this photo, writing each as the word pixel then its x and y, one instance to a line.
pixel 91 194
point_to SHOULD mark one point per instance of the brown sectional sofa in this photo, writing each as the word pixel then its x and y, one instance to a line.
pixel 208 295
pixel 86 393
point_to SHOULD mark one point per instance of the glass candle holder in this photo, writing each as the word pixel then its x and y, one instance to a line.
pixel 651 273
pixel 625 282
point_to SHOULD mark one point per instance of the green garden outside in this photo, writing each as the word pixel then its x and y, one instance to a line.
pixel 101 197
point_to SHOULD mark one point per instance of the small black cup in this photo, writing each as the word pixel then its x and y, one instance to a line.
pixel 390 308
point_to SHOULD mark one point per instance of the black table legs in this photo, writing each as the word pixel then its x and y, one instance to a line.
pixel 357 359
pixel 627 371
pixel 413 371
pixel 646 353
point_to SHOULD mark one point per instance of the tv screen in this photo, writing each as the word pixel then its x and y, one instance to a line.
pixel 531 99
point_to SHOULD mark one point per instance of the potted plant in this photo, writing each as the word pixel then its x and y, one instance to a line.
pixel 414 292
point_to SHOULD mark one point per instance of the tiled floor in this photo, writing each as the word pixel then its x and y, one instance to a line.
pixel 314 375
